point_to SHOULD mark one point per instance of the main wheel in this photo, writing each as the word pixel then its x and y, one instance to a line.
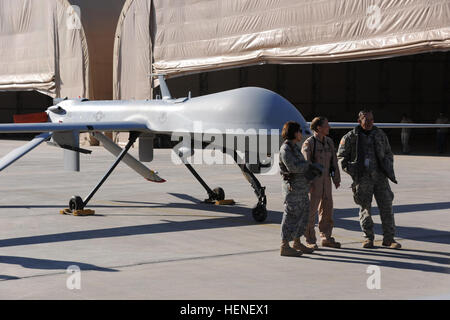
pixel 259 213
pixel 76 203
pixel 220 194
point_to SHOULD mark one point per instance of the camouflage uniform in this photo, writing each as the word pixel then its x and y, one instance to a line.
pixel 368 159
pixel 295 191
pixel 320 193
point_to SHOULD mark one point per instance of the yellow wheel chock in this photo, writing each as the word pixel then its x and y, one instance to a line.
pixel 84 212
pixel 229 202
pixel 225 202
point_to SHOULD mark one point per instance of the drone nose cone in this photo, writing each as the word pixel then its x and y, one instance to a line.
pixel 271 108
pixel 243 109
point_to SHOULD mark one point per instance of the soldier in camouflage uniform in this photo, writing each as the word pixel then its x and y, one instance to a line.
pixel 365 154
pixel 295 189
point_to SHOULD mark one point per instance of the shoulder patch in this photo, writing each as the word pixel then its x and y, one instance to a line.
pixel 342 142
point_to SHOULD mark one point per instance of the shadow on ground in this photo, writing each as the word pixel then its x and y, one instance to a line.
pixel 242 217
pixel 377 257
pixel 46 264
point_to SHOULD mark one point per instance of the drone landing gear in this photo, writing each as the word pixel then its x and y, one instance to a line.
pixel 78 204
pixel 259 212
pixel 214 195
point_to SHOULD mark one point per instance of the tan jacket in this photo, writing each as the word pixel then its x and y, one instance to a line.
pixel 324 154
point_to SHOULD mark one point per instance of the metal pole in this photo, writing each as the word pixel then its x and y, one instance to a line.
pixel 131 140
pixel 250 177
pixel 203 183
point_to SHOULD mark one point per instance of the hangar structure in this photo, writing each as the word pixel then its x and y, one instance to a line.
pixel 55 49
pixel 41 49
pixel 327 56
pixel 192 36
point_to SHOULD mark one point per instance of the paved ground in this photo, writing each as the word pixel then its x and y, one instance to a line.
pixel 156 241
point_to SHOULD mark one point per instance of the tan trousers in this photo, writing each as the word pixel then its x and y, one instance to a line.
pixel 321 201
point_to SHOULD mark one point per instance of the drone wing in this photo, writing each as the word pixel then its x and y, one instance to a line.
pixel 351 125
pixel 80 127
pixel 63 134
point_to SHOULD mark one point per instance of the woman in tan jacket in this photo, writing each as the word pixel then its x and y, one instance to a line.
pixel 320 148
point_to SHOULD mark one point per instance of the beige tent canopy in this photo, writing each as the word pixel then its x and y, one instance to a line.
pixel 99 19
pixel 133 56
pixel 190 36
pixel 43 48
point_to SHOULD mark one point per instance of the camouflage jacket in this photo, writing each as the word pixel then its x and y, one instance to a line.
pixel 351 159
pixel 293 163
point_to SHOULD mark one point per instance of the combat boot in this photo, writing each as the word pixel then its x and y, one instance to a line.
pixel 287 251
pixel 391 243
pixel 301 247
pixel 312 246
pixel 368 244
pixel 331 243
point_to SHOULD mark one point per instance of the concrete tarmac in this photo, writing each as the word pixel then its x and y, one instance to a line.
pixel 157 241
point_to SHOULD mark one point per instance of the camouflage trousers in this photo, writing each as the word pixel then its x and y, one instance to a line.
pixel 374 185
pixel 295 216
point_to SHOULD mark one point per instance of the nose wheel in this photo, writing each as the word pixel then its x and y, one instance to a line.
pixel 219 194
pixel 259 213
pixel 76 203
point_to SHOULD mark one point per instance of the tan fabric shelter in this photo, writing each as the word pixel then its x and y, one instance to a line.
pixel 190 36
pixel 99 19
pixel 43 48
pixel 133 51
